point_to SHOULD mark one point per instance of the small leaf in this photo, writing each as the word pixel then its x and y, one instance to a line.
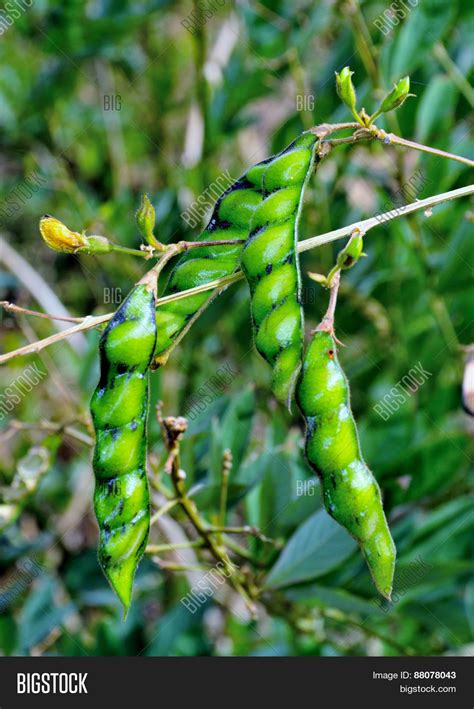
pixel 436 109
pixel 318 546
pixel 276 491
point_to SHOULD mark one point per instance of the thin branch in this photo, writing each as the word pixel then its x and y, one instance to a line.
pixel 327 323
pixel 324 129
pixel 16 426
pixel 118 249
pixel 171 566
pixel 340 617
pixel 351 139
pixel 225 473
pixel 161 548
pixel 34 347
pixel 173 429
pixel 392 139
pixel 238 549
pixel 161 359
pixel 365 225
pixel 11 307
pixel 163 510
pixel 253 531
pixel 150 278
pixel 186 245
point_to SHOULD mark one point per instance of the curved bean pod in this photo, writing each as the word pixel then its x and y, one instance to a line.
pixel 270 263
pixel 230 220
pixel 350 492
pixel 119 408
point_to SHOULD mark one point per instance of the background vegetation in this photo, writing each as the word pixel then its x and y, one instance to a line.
pixel 189 105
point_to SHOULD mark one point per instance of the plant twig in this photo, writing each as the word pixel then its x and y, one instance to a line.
pixel 11 307
pixel 87 323
pixel 392 139
pixel 366 224
pixel 163 510
pixel 160 548
pixel 253 531
pixel 173 429
pixel 162 358
pixel 16 426
pixel 186 245
pixel 340 617
pixel 327 323
pixel 324 129
pixel 172 566
pixel 244 553
pixel 225 473
pixel 118 249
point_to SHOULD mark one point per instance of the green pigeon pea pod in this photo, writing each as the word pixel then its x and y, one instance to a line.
pixel 119 408
pixel 230 220
pixel 350 492
pixel 271 266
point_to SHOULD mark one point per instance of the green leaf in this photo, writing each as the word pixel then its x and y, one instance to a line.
pixel 232 432
pixel 443 517
pixel 318 546
pixel 237 424
pixel 423 27
pixel 42 614
pixel 172 626
pixel 436 108
pixel 324 597
pixel 276 492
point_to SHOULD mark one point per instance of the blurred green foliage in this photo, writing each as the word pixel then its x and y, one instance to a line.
pixel 105 100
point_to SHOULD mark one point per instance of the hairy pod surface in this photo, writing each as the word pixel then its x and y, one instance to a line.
pixel 230 220
pixel 119 408
pixel 350 492
pixel 270 263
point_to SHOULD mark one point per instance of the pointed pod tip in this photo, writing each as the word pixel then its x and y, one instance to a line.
pixel 122 585
pixel 380 554
pixel 385 589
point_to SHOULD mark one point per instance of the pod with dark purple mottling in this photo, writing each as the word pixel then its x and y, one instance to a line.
pixel 271 266
pixel 119 408
pixel 230 220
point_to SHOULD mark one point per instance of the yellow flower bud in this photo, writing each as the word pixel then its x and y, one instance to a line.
pixel 59 237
